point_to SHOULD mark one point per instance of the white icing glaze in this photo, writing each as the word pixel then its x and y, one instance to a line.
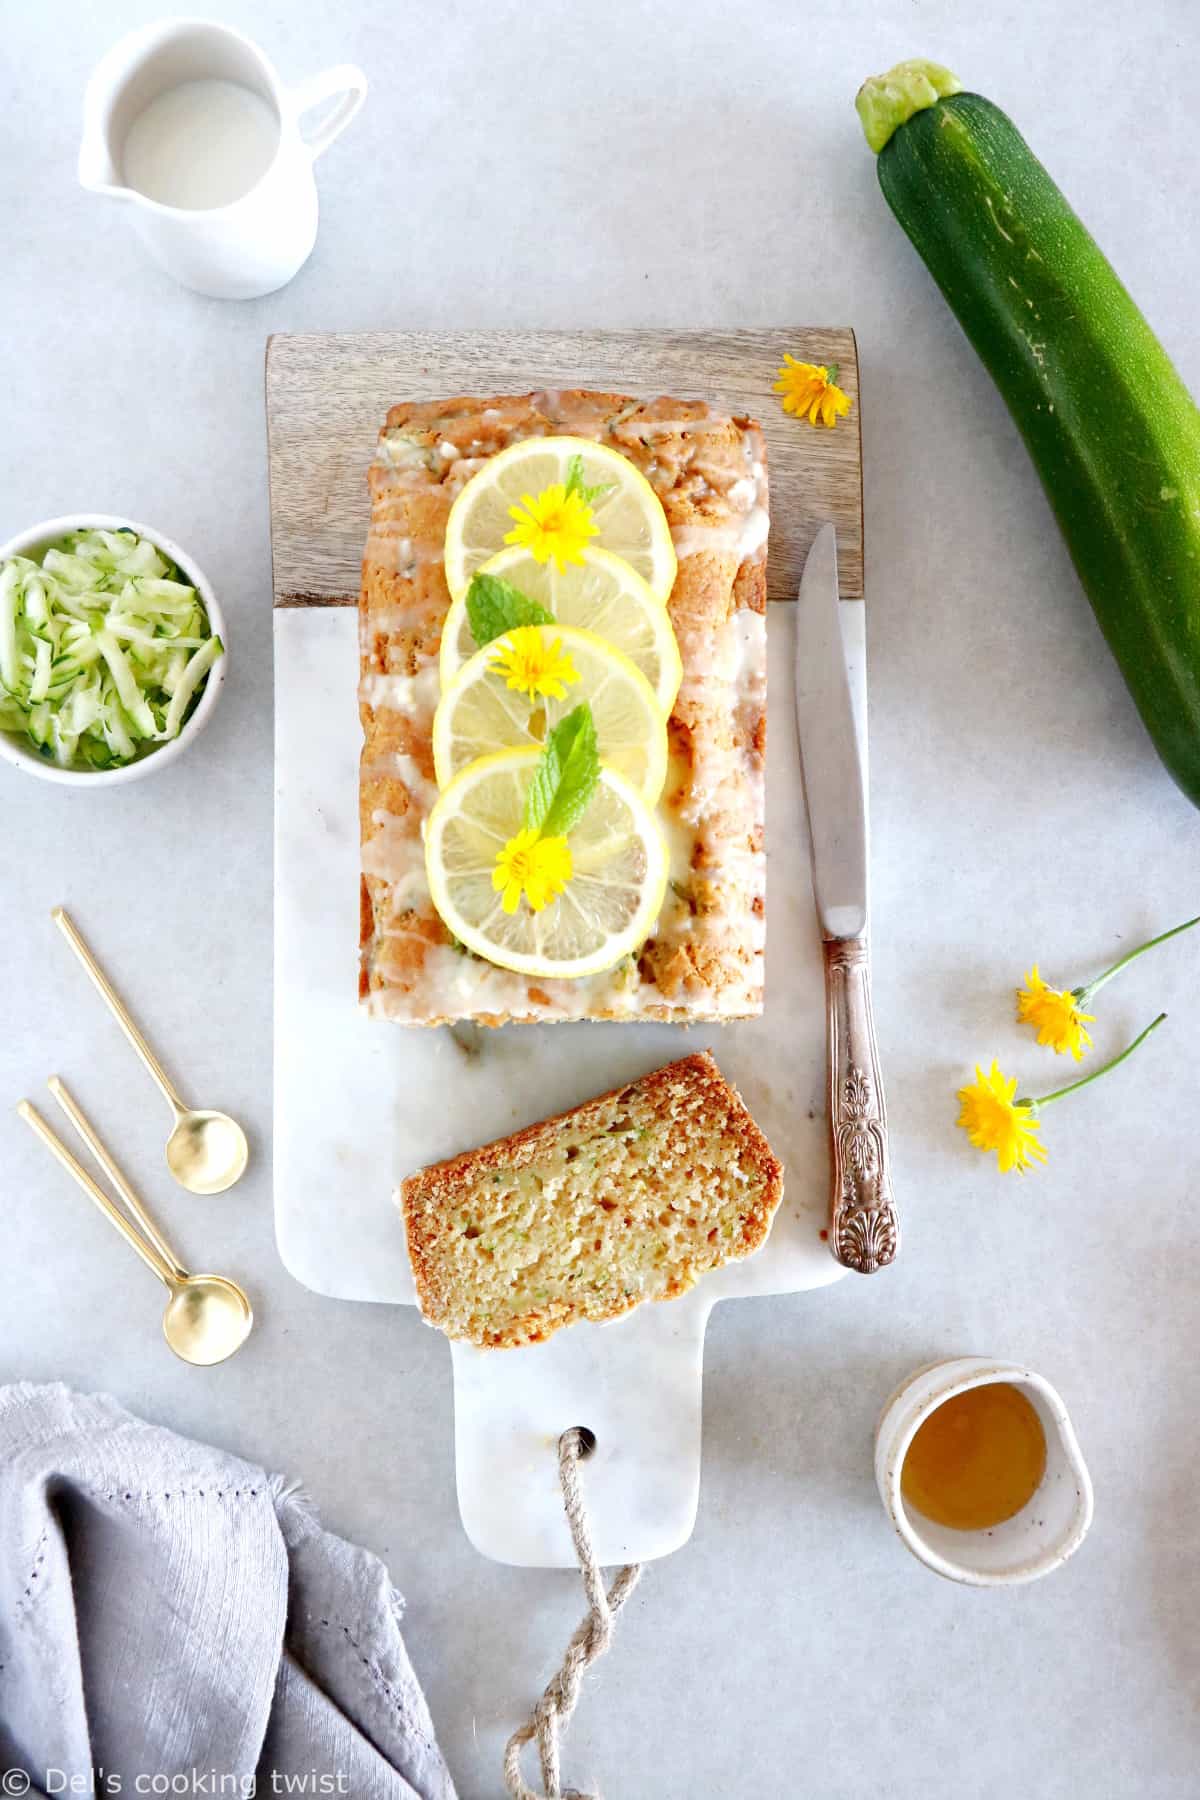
pixel 755 529
pixel 462 470
pixel 400 452
pixel 650 428
pixel 416 696
pixel 716 903
pixel 737 658
pixel 390 854
pixel 711 540
pixel 745 538
pixel 391 549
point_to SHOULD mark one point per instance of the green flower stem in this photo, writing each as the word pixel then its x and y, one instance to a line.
pixel 1035 1106
pixel 831 371
pixel 1083 994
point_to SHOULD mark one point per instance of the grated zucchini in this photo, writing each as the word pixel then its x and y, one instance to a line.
pixel 104 649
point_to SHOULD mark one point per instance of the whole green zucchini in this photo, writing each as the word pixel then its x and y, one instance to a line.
pixel 1112 430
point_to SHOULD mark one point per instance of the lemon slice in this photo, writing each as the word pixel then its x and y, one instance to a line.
pixel 619 863
pixel 479 712
pixel 601 594
pixel 629 516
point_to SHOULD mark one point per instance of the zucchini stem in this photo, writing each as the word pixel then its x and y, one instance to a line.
pixel 885 102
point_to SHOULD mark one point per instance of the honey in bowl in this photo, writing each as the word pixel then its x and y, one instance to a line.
pixel 977 1459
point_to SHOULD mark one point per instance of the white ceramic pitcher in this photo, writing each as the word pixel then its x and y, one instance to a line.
pixel 256 243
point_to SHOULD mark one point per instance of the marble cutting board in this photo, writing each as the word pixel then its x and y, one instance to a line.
pixel 398 1097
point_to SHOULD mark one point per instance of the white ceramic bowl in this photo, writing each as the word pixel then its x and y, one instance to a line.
pixel 22 755
pixel 1038 1538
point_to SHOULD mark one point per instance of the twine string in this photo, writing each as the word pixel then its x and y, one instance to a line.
pixel 591 1639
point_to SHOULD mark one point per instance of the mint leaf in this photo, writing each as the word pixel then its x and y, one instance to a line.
pixel 565 778
pixel 495 606
pixel 579 755
pixel 577 485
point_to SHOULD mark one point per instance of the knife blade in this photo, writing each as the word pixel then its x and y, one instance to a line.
pixel 864 1227
pixel 832 765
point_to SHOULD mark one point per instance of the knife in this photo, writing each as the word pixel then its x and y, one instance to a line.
pixel 864 1228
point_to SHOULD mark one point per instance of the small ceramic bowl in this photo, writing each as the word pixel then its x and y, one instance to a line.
pixel 21 754
pixel 1038 1538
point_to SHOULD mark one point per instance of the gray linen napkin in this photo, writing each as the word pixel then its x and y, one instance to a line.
pixel 175 1621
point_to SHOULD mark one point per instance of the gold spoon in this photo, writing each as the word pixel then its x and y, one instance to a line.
pixel 207 1317
pixel 206 1151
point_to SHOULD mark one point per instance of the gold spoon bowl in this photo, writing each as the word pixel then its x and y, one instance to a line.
pixel 207 1317
pixel 207 1151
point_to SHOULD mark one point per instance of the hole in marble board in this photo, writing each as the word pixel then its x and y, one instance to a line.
pixel 587 1441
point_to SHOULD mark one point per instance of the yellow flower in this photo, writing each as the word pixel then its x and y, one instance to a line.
pixel 1058 1015
pixel 993 1120
pixel 1055 1015
pixel 555 523
pixel 809 391
pixel 538 867
pixel 534 664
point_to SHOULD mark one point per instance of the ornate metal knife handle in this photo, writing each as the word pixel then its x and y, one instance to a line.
pixel 864 1227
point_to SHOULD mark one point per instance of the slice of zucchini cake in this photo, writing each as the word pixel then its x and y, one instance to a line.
pixel 630 1197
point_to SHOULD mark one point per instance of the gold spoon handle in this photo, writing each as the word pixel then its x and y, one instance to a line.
pixel 118 1009
pixel 104 1157
pixel 113 1214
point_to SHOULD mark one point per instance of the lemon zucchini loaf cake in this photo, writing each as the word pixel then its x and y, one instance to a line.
pixel 630 1197
pixel 704 957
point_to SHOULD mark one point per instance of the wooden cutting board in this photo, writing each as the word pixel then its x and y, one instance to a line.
pixel 327 396
pixel 392 1098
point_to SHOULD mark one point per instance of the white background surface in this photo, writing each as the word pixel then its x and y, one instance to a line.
pixel 633 165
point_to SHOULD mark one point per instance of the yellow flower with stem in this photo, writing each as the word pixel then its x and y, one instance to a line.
pixel 810 392
pixel 534 663
pixel 534 866
pixel 994 1119
pixel 1058 1015
pixel 558 521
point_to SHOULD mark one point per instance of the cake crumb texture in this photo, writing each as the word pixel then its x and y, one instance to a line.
pixel 630 1197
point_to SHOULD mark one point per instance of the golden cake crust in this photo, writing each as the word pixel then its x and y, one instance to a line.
pixel 687 1110
pixel 704 959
